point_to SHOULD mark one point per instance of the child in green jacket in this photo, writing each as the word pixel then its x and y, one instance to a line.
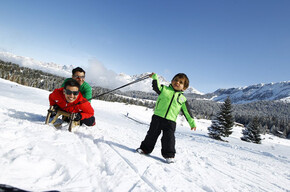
pixel 168 105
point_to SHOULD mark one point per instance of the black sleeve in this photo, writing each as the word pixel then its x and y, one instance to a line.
pixel 155 87
pixel 188 109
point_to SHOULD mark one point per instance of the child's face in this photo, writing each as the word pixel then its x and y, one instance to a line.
pixel 178 83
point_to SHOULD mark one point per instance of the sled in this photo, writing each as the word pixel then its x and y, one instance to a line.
pixel 64 114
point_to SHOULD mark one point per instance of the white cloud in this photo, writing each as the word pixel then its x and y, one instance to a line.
pixel 97 74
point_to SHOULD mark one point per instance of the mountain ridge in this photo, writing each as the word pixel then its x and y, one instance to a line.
pixel 258 92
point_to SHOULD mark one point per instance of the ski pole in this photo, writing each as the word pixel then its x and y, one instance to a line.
pixel 136 81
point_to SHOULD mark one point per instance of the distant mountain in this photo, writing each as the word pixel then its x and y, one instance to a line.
pixel 108 79
pixel 53 68
pixel 260 92
pixel 147 84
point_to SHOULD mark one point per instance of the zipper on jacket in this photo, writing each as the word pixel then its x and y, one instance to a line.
pixel 169 106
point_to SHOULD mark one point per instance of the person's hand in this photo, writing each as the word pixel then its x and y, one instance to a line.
pixel 151 74
pixel 78 117
pixel 54 110
pixel 53 113
pixel 193 128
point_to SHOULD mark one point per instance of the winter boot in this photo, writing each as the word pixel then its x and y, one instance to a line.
pixel 169 160
pixel 140 151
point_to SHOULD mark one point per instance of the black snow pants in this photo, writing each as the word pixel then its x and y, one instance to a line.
pixel 89 121
pixel 157 125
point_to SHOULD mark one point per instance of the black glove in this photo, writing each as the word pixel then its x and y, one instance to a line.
pixel 55 109
pixel 78 117
pixel 53 112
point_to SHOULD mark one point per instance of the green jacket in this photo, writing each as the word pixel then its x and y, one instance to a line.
pixel 170 102
pixel 85 89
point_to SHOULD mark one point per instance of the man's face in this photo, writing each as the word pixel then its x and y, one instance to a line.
pixel 79 77
pixel 71 93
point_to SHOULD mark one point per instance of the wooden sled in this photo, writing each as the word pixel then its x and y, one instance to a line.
pixel 64 114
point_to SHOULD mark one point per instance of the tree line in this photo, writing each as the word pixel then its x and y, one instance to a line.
pixel 273 116
pixel 29 77
pixel 223 123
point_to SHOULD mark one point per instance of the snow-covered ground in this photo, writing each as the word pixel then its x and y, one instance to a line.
pixel 36 157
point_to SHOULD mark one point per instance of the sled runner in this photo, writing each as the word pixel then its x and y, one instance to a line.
pixel 69 116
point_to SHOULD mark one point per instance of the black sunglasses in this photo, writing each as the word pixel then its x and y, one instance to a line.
pixel 79 77
pixel 69 92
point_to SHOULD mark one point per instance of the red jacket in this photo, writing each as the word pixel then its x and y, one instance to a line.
pixel 84 108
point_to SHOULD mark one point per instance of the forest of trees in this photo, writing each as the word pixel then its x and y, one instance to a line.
pixel 29 77
pixel 273 116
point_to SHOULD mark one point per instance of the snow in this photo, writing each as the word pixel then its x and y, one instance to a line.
pixel 36 157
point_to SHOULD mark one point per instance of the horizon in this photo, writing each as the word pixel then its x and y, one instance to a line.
pixel 105 78
pixel 218 44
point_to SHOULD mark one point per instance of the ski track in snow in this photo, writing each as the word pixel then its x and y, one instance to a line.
pixel 37 157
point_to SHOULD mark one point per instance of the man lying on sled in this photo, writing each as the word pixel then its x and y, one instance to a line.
pixel 69 99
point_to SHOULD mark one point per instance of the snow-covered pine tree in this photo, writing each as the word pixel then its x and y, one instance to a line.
pixel 226 111
pixel 215 131
pixel 222 125
pixel 252 133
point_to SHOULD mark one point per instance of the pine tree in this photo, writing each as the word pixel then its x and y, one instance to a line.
pixel 252 133
pixel 222 125
pixel 226 111
pixel 216 130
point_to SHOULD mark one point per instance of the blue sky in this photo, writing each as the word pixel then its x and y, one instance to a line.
pixel 217 43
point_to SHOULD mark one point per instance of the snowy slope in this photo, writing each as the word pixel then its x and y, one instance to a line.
pixel 259 92
pixel 36 157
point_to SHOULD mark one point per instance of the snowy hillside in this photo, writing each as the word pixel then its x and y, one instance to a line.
pixel 36 157
pixel 259 92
